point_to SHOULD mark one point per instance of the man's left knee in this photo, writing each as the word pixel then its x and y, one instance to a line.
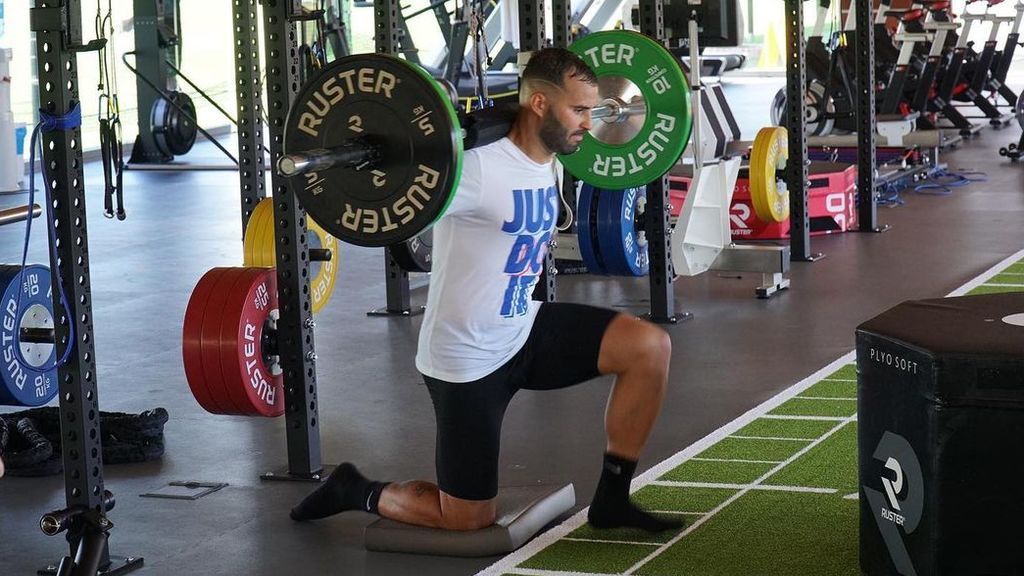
pixel 649 348
pixel 654 345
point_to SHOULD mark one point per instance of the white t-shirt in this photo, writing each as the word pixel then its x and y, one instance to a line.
pixel 488 253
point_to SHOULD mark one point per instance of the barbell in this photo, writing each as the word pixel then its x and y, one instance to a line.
pixel 373 145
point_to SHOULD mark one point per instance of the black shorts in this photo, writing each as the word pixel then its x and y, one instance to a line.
pixel 561 351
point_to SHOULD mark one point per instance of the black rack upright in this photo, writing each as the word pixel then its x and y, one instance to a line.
pixel 796 176
pixel 150 19
pixel 866 121
pixel 663 305
pixel 58 31
pixel 295 326
pixel 249 107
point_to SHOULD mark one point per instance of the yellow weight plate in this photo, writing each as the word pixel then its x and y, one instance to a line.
pixel 266 250
pixel 324 273
pixel 768 193
pixel 263 212
pixel 261 251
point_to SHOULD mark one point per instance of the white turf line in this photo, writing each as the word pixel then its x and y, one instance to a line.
pixel 987 275
pixel 509 562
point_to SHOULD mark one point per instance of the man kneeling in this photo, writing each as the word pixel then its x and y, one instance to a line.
pixel 483 339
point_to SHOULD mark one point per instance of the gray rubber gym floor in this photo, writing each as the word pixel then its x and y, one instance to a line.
pixel 735 353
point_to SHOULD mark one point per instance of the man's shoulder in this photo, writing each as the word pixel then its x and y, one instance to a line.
pixel 498 147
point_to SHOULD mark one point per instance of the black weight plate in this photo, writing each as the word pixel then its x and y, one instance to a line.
pixel 415 254
pixel 400 109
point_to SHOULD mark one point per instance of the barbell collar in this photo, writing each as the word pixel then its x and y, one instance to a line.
pixel 354 153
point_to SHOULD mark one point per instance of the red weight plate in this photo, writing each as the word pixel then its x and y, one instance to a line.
pixel 250 304
pixel 191 340
pixel 212 321
pixel 230 353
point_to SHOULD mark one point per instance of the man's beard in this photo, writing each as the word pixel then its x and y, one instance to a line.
pixel 555 136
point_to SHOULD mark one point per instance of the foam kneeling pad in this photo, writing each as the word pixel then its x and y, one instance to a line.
pixel 522 512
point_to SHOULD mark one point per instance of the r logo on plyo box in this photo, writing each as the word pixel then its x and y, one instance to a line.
pixel 899 510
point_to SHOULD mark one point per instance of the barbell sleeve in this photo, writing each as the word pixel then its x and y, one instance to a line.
pixel 37 336
pixel 351 154
pixel 12 215
pixel 616 111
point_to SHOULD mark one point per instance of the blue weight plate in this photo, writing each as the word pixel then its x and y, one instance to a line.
pixel 638 260
pixel 586 226
pixel 23 384
pixel 617 233
pixel 609 231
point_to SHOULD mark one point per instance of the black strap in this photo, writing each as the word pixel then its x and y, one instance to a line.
pixel 111 147
pixel 108 186
pixel 111 150
pixel 117 152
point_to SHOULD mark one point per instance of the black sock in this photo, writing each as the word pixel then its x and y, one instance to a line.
pixel 612 508
pixel 345 489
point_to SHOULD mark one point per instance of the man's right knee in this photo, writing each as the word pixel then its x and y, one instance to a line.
pixel 459 514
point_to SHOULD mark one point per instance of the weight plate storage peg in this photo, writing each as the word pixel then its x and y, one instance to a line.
pixel 373 149
pixel 229 343
pixel 768 192
pixel 623 242
pixel 24 384
pixel 643 121
pixel 260 250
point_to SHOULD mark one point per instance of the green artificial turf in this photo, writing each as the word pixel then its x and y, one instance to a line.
pixel 768 533
pixel 816 407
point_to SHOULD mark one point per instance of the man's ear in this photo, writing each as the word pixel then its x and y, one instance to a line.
pixel 539 103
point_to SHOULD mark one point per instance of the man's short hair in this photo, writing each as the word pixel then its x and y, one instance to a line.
pixel 553 64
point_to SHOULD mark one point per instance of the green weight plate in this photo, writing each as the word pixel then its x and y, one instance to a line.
pixel 642 148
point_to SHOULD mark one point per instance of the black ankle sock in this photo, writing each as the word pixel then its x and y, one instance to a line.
pixel 345 489
pixel 612 508
pixel 373 492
